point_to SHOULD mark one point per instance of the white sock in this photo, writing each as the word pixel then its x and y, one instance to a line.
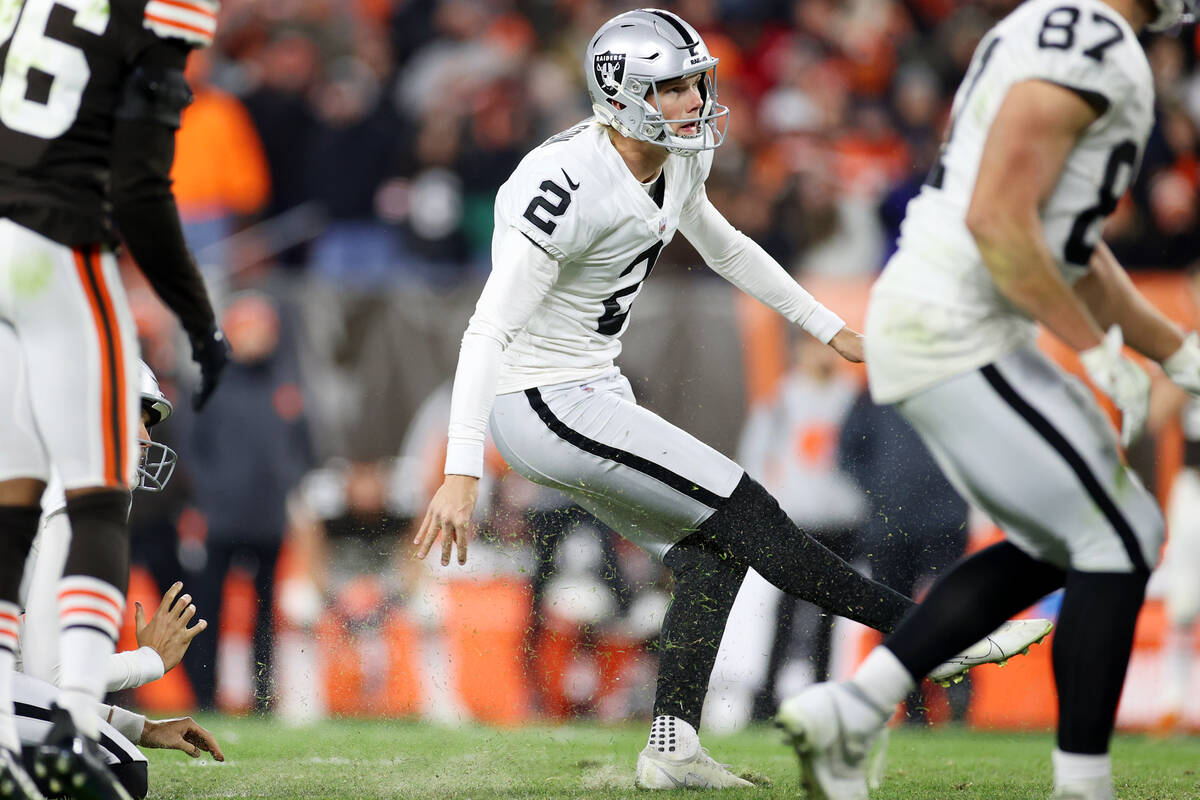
pixel 1177 666
pixel 90 611
pixel 1073 768
pixel 883 679
pixel 673 738
pixel 8 662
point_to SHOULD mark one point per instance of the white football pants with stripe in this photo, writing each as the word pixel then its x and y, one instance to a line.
pixel 642 476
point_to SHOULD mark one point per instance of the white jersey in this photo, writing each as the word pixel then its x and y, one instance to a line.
pixel 576 235
pixel 575 198
pixel 935 311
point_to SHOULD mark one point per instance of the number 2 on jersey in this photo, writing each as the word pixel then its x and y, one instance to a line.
pixel 32 49
pixel 547 224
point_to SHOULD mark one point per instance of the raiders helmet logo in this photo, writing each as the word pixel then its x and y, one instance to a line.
pixel 610 71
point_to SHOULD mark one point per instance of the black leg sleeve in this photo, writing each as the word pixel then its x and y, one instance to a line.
pixel 1091 654
pixel 971 601
pixel 752 528
pixel 706 584
pixel 100 537
pixel 18 526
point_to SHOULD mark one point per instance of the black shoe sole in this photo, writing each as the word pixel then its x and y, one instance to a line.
pixel 59 771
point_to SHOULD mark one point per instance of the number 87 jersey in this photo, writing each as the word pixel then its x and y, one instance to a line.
pixel 935 311
pixel 65 67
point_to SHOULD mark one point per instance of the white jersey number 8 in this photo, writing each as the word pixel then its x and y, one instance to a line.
pixel 32 49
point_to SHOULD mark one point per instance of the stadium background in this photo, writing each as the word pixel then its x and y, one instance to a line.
pixel 336 175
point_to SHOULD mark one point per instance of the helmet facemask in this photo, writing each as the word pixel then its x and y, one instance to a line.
pixel 1172 13
pixel 642 119
pixel 156 465
pixel 157 461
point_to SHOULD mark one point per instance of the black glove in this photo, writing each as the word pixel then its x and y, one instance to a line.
pixel 211 352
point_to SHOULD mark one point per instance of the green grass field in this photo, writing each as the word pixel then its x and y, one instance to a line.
pixel 377 759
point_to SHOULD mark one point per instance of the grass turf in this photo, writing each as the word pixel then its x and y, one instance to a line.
pixel 381 759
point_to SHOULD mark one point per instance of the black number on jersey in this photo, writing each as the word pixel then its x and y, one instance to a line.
pixel 31 50
pixel 937 174
pixel 539 202
pixel 1058 32
pixel 1124 155
pixel 613 318
pixel 1058 29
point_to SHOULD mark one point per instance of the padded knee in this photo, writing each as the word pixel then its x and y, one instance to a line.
pixel 18 527
pixel 100 537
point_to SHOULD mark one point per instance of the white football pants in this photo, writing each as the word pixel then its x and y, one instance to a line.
pixel 68 364
pixel 1029 445
pixel 648 480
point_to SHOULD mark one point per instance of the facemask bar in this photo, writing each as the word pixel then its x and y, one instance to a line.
pixel 713 120
pixel 156 466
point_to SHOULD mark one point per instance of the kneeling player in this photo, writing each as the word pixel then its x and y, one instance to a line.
pixel 162 639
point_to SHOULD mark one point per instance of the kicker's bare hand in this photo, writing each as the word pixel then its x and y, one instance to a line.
pixel 449 518
pixel 849 344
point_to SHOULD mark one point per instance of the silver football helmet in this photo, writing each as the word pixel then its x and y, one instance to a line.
pixel 626 60
pixel 157 463
pixel 1173 12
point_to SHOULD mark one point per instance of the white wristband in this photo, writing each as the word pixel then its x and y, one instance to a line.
pixel 127 723
pixel 464 457
pixel 822 324
pixel 132 668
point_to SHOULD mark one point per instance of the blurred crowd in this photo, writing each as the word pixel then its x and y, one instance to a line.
pixel 354 148
pixel 391 123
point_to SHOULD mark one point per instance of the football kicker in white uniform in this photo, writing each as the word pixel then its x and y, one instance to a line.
pixel 579 226
pixel 1048 129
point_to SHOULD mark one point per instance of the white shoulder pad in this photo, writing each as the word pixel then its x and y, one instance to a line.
pixel 1083 45
pixel 193 21
pixel 546 198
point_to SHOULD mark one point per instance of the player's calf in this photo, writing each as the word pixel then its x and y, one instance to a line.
pixel 91 599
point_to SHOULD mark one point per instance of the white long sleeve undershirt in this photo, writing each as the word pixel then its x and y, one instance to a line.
pixel 521 275
pixel 740 260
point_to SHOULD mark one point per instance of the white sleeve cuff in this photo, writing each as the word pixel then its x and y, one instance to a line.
pixel 464 457
pixel 822 324
pixel 133 668
pixel 127 723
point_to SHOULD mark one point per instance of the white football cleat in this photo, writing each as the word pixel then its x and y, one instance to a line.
pixel 657 770
pixel 833 729
pixel 1100 789
pixel 674 759
pixel 1012 638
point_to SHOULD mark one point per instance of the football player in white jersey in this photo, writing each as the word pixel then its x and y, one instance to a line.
pixel 579 225
pixel 1048 128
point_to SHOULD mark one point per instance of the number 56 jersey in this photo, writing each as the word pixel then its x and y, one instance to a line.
pixel 64 68
pixel 575 198
pixel 935 312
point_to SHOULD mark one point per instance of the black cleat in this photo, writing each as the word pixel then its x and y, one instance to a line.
pixel 15 783
pixel 68 763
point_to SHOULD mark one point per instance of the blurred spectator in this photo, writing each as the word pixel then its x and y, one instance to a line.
pixel 246 452
pixel 790 446
pixel 289 66
pixel 917 522
pixel 352 151
pixel 220 173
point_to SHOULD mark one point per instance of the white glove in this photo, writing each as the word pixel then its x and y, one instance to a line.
pixel 1120 379
pixel 1183 366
